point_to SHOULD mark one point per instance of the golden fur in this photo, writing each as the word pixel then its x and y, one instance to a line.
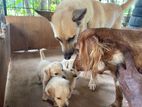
pixel 100 44
pixel 108 46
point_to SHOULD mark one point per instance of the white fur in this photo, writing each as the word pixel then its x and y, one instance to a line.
pixel 67 64
pixel 101 66
pixel 92 83
pixel 117 58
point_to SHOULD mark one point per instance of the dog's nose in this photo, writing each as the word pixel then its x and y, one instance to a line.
pixel 65 105
pixel 64 77
pixel 68 55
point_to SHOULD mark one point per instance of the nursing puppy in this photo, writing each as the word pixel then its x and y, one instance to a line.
pixel 104 49
pixel 74 16
pixel 58 90
pixel 47 70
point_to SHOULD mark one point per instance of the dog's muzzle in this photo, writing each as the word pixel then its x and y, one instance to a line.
pixel 68 55
pixel 65 105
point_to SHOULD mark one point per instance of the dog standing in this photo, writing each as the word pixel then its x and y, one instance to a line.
pixel 74 16
pixel 103 49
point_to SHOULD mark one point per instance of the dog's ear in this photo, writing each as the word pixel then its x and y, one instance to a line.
pixel 78 15
pixel 51 92
pixel 46 14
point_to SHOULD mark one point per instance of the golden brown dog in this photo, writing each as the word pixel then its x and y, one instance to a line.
pixel 73 16
pixel 103 49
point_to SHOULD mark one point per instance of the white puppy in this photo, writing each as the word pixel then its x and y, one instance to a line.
pixel 58 90
pixel 70 73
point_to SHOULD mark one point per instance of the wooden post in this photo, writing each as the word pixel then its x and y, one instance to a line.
pixel 4 56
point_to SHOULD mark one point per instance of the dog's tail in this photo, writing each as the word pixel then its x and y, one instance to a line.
pixel 42 56
pixel 127 4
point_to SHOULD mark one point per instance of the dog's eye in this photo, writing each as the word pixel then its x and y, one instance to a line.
pixel 58 39
pixel 58 98
pixel 56 73
pixel 74 75
pixel 71 39
pixel 64 77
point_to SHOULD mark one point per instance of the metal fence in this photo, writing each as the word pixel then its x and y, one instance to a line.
pixel 26 7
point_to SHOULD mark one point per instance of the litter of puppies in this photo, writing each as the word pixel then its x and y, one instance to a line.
pixel 57 77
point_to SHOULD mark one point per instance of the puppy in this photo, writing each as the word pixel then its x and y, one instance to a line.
pixel 103 49
pixel 80 15
pixel 67 64
pixel 48 70
pixel 70 73
pixel 58 90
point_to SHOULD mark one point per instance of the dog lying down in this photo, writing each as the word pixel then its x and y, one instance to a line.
pixel 104 49
pixel 58 90
pixel 48 70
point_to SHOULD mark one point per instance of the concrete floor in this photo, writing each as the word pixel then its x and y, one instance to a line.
pixel 23 90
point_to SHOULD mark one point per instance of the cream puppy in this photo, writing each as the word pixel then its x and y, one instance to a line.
pixel 47 70
pixel 58 90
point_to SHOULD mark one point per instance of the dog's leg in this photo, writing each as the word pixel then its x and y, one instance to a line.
pixel 92 82
pixel 44 96
pixel 119 96
pixel 72 86
pixel 44 83
pixel 100 69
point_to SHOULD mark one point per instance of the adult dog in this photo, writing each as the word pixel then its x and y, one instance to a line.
pixel 104 49
pixel 73 16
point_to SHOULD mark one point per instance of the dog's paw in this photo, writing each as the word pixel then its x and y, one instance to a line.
pixel 92 85
pixel 44 97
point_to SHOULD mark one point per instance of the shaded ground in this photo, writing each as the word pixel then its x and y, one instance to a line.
pixel 23 90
